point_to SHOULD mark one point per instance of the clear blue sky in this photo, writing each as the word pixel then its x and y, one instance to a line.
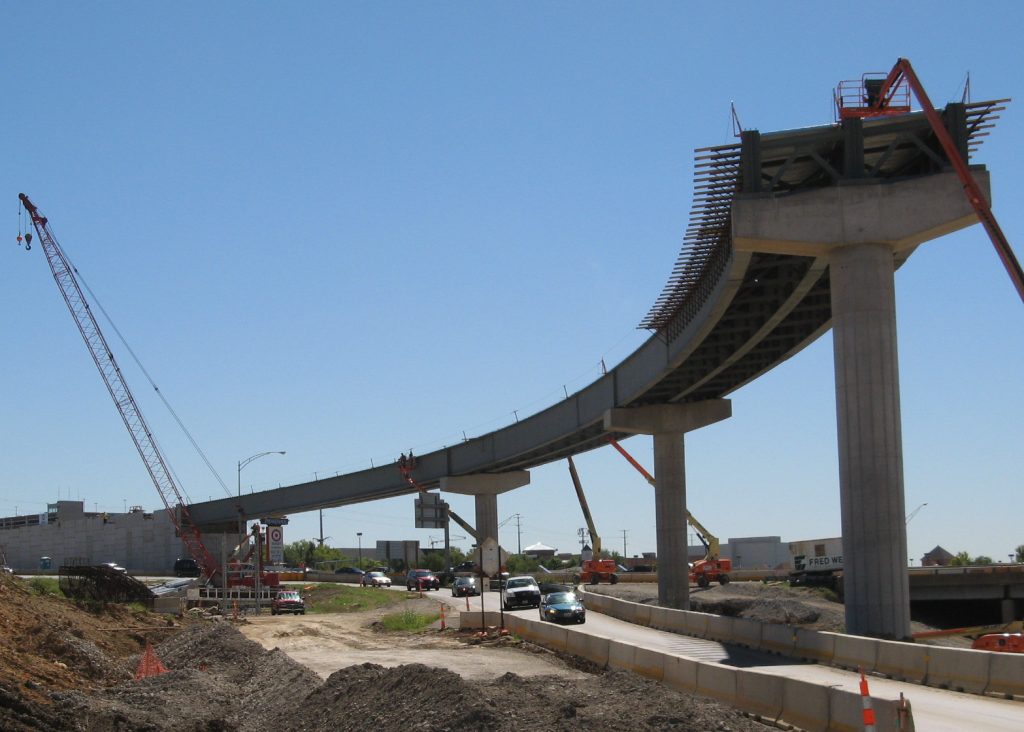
pixel 345 230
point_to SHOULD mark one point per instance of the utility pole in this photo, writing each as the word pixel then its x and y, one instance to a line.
pixel 582 533
pixel 624 555
pixel 321 528
pixel 519 535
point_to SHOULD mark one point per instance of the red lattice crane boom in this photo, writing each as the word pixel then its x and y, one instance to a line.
pixel 881 97
pixel 103 357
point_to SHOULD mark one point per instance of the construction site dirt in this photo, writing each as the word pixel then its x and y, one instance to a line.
pixel 65 667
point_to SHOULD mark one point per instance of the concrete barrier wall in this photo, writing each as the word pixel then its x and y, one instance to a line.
pixel 772 698
pixel 695 623
pixel 472 619
pixel 854 652
pixel 903 661
pixel 748 632
pixel 958 669
pixel 761 693
pixel 717 682
pixel 650 663
pixel 662 618
pixel 719 628
pixel 594 648
pixel 805 705
pixel 621 655
pixel 553 636
pixel 680 673
pixel 779 639
pixel 846 712
pixel 597 649
pixel 814 646
pixel 1006 674
pixel 953 668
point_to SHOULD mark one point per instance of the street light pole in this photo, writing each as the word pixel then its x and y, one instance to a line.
pixel 359 537
pixel 243 463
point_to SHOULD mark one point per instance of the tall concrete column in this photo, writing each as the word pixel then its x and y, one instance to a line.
pixel 670 520
pixel 485 487
pixel 668 423
pixel 862 231
pixel 487 515
pixel 875 578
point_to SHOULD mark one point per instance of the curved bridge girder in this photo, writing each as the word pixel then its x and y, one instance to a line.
pixel 724 318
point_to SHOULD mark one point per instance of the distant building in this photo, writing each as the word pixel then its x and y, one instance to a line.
pixel 539 551
pixel 937 557
pixel 144 542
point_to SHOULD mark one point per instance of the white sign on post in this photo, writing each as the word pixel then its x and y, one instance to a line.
pixel 275 544
pixel 491 557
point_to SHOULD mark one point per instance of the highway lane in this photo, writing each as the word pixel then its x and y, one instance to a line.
pixel 935 710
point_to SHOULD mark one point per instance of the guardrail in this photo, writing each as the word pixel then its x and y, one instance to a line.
pixel 958 669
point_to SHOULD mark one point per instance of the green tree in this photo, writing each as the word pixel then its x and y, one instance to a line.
pixel 962 559
pixel 308 552
pixel 434 561
pixel 520 564
pixel 1020 553
pixel 982 560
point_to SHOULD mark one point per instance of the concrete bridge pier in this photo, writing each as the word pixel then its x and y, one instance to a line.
pixel 485 487
pixel 863 230
pixel 668 423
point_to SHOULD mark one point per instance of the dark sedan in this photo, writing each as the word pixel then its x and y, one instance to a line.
pixel 464 587
pixel 562 607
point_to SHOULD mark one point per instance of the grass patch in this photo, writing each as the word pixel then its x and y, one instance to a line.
pixel 333 598
pixel 408 621
pixel 45 586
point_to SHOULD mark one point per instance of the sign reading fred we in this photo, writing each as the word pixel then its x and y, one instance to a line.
pixel 431 511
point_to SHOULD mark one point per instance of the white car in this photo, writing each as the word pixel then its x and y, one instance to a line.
pixel 376 579
pixel 520 592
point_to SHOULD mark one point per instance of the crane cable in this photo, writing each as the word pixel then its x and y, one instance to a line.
pixel 152 383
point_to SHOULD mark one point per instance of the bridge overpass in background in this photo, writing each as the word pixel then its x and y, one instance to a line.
pixel 790 233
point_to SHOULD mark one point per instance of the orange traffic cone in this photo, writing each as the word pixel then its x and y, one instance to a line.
pixel 865 699
pixel 149 664
pixel 443 626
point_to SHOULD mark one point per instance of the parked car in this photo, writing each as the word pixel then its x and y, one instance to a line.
pixel 350 570
pixel 115 566
pixel 465 587
pixel 562 607
pixel 375 579
pixel 186 568
pixel 520 592
pixel 465 567
pixel 422 579
pixel 288 601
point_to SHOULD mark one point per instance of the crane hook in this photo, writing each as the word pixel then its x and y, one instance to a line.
pixel 28 241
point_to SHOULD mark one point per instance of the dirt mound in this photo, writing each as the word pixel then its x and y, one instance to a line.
pixel 373 697
pixel 66 668
pixel 769 603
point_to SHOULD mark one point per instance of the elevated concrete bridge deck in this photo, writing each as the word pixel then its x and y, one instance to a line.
pixel 725 317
